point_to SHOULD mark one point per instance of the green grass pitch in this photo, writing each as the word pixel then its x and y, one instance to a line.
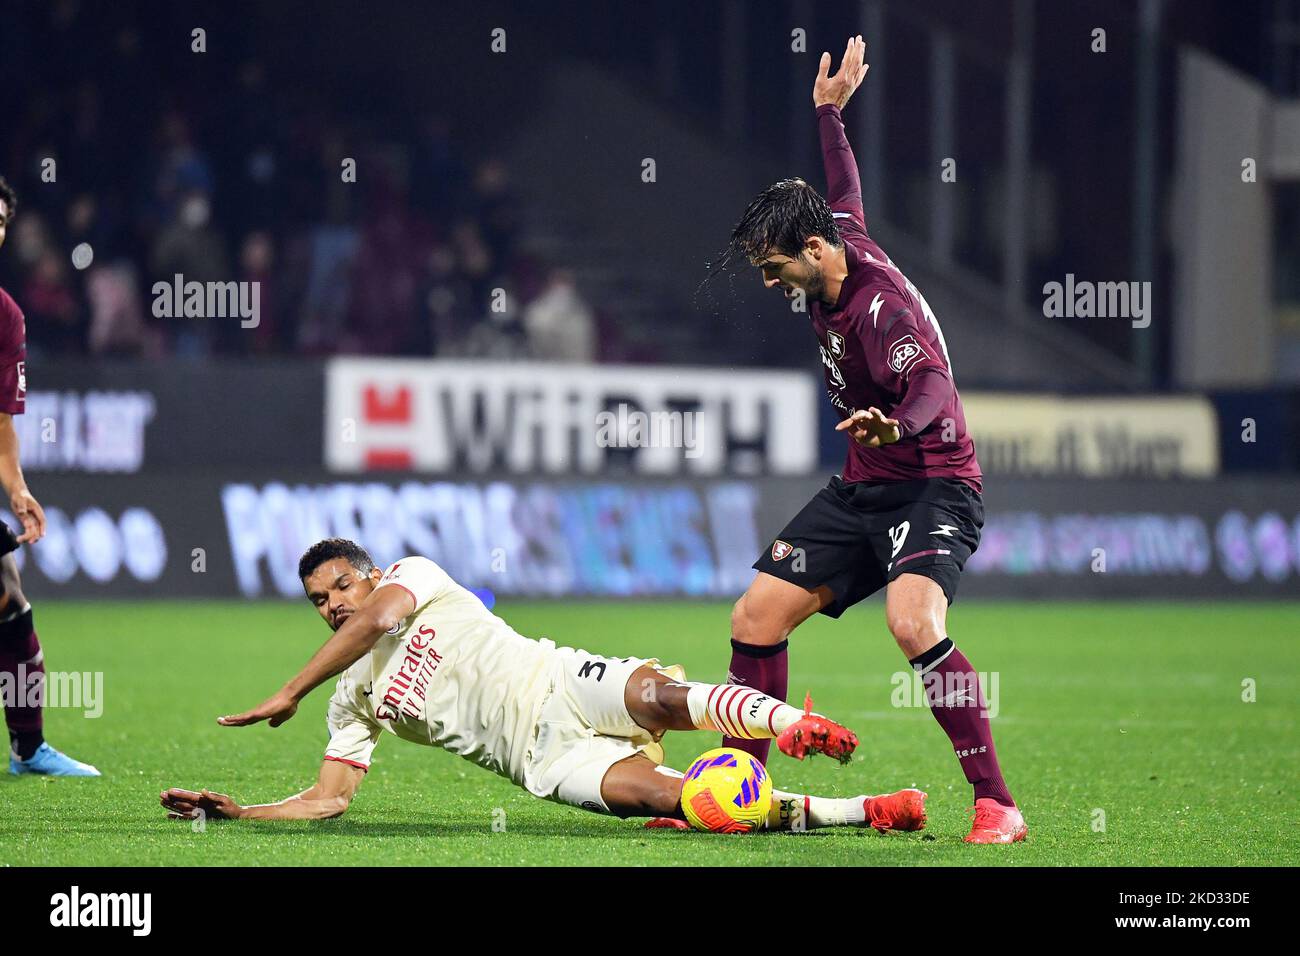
pixel 1121 729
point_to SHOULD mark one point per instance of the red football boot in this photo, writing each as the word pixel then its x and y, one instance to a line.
pixel 995 823
pixel 904 810
pixel 813 733
pixel 666 823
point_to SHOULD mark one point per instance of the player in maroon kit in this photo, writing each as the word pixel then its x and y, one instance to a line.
pixel 906 513
pixel 21 659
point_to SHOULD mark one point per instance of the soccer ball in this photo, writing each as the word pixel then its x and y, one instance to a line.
pixel 726 791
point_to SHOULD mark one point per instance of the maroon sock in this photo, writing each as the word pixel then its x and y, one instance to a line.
pixel 953 692
pixel 23 667
pixel 765 669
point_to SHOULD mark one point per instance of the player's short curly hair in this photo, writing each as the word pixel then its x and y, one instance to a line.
pixel 783 216
pixel 9 196
pixel 332 548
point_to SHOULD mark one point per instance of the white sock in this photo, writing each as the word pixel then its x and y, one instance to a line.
pixel 739 711
pixel 795 811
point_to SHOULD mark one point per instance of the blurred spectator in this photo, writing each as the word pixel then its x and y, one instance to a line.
pixel 560 325
pixel 330 252
pixel 495 207
pixel 183 170
pixel 256 261
pixel 473 259
pixel 385 310
pixel 448 301
pixel 499 337
pixel 29 238
pixel 190 247
pixel 117 324
pixel 54 317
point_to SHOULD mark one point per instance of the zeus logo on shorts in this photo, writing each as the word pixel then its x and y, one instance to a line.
pixel 905 353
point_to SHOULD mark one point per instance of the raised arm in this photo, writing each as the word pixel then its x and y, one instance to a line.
pixel 380 612
pixel 830 94
pixel 330 796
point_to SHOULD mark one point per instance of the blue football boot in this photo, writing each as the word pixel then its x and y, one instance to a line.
pixel 52 763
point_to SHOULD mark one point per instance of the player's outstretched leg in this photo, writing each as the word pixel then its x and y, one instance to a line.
pixel 761 622
pixel 23 663
pixel 741 713
pixel 903 810
pixel 636 787
pixel 813 733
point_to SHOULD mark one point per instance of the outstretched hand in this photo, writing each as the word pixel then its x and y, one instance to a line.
pixel 188 805
pixel 853 69
pixel 276 709
pixel 870 427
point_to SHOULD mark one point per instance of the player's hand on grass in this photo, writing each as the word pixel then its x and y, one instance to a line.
pixel 29 511
pixel 871 428
pixel 188 805
pixel 276 709
pixel 838 88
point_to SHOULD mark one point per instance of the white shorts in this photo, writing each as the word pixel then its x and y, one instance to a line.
pixel 585 728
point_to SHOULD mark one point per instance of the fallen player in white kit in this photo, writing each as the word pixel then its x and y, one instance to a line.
pixel 422 658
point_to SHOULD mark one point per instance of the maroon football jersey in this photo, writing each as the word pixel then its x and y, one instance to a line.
pixel 880 339
pixel 13 356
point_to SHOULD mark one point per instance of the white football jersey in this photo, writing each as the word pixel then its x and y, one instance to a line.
pixel 450 675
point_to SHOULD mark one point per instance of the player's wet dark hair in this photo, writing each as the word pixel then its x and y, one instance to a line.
pixel 783 216
pixel 332 548
pixel 9 196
